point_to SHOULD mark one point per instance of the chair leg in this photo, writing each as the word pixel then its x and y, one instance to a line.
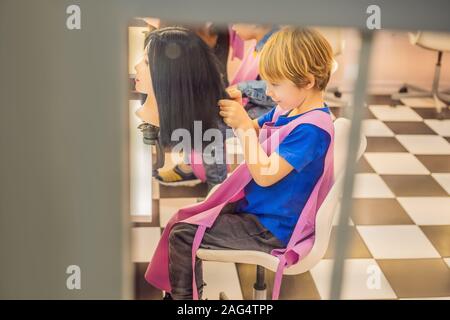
pixel 438 97
pixel 260 288
pixel 441 106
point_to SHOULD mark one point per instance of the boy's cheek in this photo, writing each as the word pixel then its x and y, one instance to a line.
pixel 272 95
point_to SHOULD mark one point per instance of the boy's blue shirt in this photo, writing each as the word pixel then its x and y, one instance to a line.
pixel 278 206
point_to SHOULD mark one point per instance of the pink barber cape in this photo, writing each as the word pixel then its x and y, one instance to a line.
pixel 205 213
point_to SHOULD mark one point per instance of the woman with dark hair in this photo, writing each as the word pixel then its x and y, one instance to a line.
pixel 181 77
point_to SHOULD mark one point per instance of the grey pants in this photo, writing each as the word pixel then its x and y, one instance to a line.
pixel 237 231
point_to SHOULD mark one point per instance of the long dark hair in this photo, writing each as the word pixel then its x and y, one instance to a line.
pixel 186 81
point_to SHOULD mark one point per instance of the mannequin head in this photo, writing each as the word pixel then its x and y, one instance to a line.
pixel 180 76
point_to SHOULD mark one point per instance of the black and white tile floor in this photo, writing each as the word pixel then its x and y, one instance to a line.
pixel 400 229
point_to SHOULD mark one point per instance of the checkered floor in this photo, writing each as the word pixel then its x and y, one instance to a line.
pixel 400 230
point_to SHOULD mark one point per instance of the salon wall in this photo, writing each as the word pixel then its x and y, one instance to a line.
pixel 394 61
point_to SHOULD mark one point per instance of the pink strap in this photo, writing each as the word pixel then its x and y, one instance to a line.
pixel 278 277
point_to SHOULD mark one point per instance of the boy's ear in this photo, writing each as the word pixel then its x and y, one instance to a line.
pixel 311 81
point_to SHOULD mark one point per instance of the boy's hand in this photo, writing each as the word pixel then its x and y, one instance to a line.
pixel 235 94
pixel 233 112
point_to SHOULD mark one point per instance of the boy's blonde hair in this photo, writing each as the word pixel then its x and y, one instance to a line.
pixel 292 53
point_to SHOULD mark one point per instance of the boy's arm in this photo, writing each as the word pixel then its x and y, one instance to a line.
pixel 265 170
pixel 256 125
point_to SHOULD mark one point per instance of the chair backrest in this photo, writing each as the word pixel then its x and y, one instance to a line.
pixel 437 41
pixel 328 209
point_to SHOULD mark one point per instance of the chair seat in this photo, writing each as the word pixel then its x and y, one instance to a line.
pixel 243 256
pixel 240 256
pixel 437 41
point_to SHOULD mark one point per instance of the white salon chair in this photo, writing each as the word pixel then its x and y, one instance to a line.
pixel 440 43
pixel 324 222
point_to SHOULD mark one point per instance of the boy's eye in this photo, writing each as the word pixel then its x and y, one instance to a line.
pixel 274 84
